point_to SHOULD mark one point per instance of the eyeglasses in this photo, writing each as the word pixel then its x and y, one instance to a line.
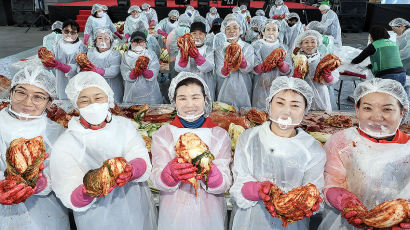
pixel 70 32
pixel 20 95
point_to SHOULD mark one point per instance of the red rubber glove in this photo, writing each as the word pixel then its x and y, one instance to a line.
pixel 314 208
pixel 12 192
pixel 60 66
pixel 152 23
pixel 125 176
pixel 226 69
pixel 275 16
pixel 267 68
pixel 183 63
pixel 86 37
pixel 147 74
pixel 163 33
pixel 327 76
pixel 127 36
pixel 282 16
pixel 135 73
pixel 243 63
pixel 283 66
pixel 40 173
pixel 200 60
pixel 118 34
pixel 193 53
pixel 297 73
pixel 402 226
pixel 258 69
pixel 175 172
pixel 41 184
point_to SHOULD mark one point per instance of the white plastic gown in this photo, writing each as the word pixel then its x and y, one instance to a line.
pixel 374 172
pixel 283 9
pixel 79 150
pixel 287 162
pixel 242 22
pixel 330 21
pixel 290 34
pixel 140 90
pixel 205 71
pixel 50 40
pixel 166 25
pixel 403 41
pixel 321 96
pixel 262 18
pixel 43 210
pixel 263 82
pixel 131 24
pixel 151 15
pixel 110 61
pixel 66 53
pixel 236 88
pixel 179 209
pixel 210 18
pixel 153 45
pixel 209 39
pixel 94 23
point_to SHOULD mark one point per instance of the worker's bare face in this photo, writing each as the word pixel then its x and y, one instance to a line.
pixel 271 32
pixel 399 30
pixel 189 100
pixel 232 30
pixel 199 37
pixel 323 11
pixel 135 14
pixel 309 45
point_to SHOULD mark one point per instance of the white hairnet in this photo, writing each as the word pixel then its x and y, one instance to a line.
pixel 260 13
pixel 315 25
pixel 293 15
pixel 399 22
pixel 96 7
pixel 184 20
pixel 199 18
pixel 324 7
pixel 279 2
pixel 256 22
pixel 190 8
pixel 173 13
pixel 132 8
pixel 299 85
pixel 391 87
pixel 104 7
pixel 213 10
pixel 37 76
pixel 57 25
pixel 145 6
pixel 184 75
pixel 269 21
pixel 85 80
pixel 243 7
pixel 228 21
pixel 104 31
pixel 309 33
pixel 236 9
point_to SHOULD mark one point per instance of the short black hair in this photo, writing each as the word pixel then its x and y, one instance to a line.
pixel 57 30
pixel 378 32
pixel 198 26
pixel 189 81
pixel 73 24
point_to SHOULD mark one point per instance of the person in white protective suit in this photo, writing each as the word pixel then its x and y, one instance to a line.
pixel 401 27
pixel 215 29
pixel 234 88
pixel 264 75
pixel 98 19
pixel 261 15
pixel 132 22
pixel 191 12
pixel 32 91
pixel 330 22
pixel 254 30
pixel 328 42
pixel 65 51
pixel 199 18
pixel 179 208
pixel 50 40
pixel 212 15
pixel 291 29
pixel 166 25
pixel 200 60
pixel 107 62
pixel 140 85
pixel 184 22
pixel 245 13
pixel 150 13
pixel 276 153
pixel 91 139
pixel 308 42
pixel 377 149
pixel 152 42
pixel 278 11
pixel 236 11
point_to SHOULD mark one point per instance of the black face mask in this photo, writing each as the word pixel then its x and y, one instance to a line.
pixel 172 21
pixel 216 29
pixel 290 24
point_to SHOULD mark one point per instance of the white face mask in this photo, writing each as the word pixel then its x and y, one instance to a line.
pixel 68 39
pixel 270 38
pixel 198 42
pixel 95 113
pixel 190 117
pixel 23 116
pixel 284 122
pixel 378 129
pixel 233 38
pixel 102 45
pixel 138 49
pixel 100 14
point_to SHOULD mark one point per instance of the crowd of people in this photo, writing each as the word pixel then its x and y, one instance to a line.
pixel 359 166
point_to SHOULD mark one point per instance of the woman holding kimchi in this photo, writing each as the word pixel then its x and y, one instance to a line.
pixel 369 164
pixel 191 158
pixel 278 155
pixel 32 91
pixel 100 163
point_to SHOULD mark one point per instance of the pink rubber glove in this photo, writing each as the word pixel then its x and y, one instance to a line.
pixel 226 70
pixel 100 71
pixel 152 23
pixel 339 197
pixel 243 63
pixel 127 36
pixel 79 198
pixel 86 37
pixel 12 192
pixel 118 34
pixel 139 166
pixel 62 67
pixel 256 191
pixel 175 172
pixel 163 33
pixel 41 184
pixel 215 177
pixel 183 63
pixel 258 69
pixel 283 67
pixel 275 16
pixel 402 226
pixel 133 75
pixel 148 74
pixel 200 60
pixel 327 76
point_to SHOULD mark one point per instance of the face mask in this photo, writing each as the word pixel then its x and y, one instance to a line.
pixel 284 121
pixel 138 49
pixel 190 117
pixel 135 16
pixel 172 21
pixel 24 116
pixel 95 113
pixel 233 38
pixel 68 39
pixel 100 14
pixel 270 38
pixel 377 129
pixel 198 42
pixel 102 45
pixel 189 14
